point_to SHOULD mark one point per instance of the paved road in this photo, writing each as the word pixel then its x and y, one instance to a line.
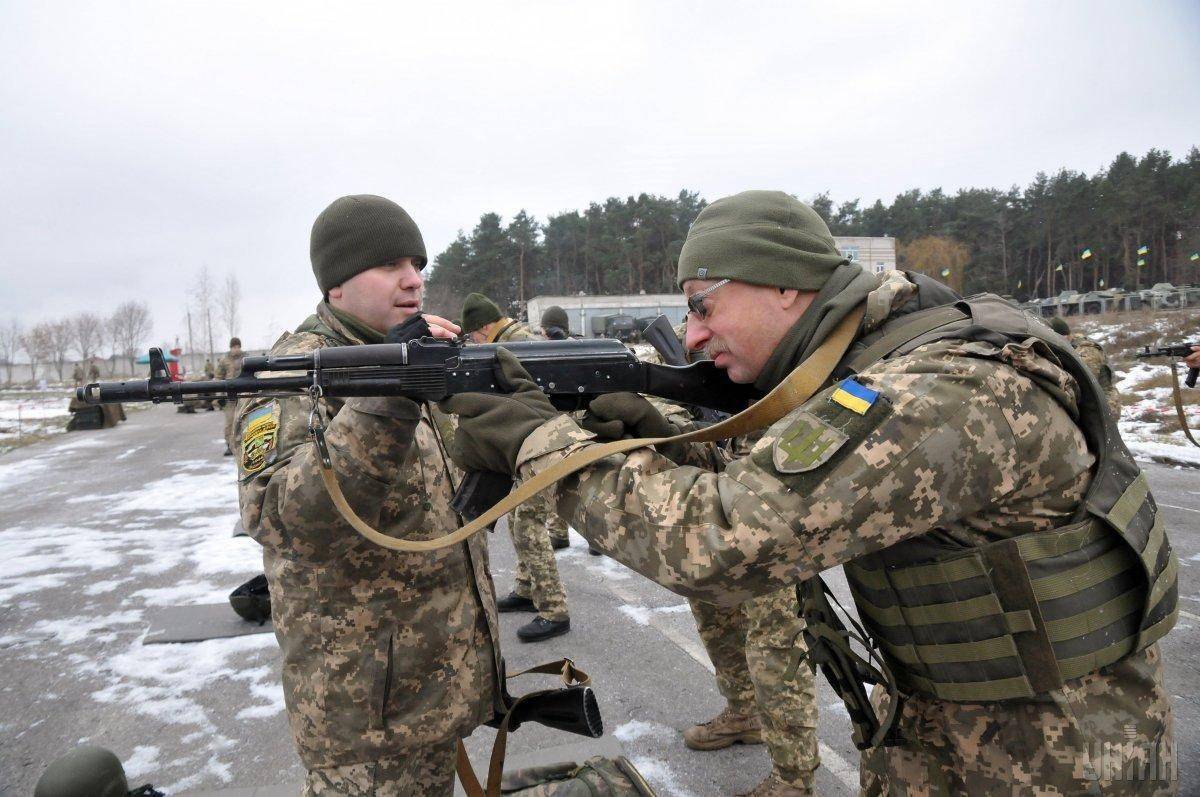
pixel 100 529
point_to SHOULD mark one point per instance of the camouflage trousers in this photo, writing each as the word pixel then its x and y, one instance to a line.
pixel 532 526
pixel 751 646
pixel 1108 733
pixel 424 771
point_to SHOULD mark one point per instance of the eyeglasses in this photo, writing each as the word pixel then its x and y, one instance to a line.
pixel 695 302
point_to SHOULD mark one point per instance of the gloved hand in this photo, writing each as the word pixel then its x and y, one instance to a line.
pixel 492 427
pixel 616 416
pixel 412 328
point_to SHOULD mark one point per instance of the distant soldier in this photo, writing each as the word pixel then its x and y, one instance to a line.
pixel 751 646
pixel 536 529
pixel 228 367
pixel 555 324
pixel 209 371
pixel 1193 359
pixel 77 374
pixel 93 371
pixel 1093 356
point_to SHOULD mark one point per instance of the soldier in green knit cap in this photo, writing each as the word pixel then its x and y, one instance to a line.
pixel 1007 560
pixel 389 657
pixel 536 530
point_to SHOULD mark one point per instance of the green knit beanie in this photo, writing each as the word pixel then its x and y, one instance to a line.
pixel 555 316
pixel 1059 326
pixel 760 237
pixel 361 232
pixel 477 312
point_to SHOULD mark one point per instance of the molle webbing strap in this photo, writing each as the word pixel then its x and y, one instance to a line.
pixel 1161 606
pixel 799 386
pixel 905 332
pixel 1035 611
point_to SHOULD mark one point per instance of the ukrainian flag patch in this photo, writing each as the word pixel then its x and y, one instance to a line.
pixel 854 397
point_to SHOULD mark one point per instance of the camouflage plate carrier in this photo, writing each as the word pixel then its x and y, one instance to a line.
pixel 1015 619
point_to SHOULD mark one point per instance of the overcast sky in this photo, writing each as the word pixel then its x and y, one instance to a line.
pixel 141 141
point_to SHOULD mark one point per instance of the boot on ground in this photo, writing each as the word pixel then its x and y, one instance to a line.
pixel 774 787
pixel 512 602
pixel 540 628
pixel 726 729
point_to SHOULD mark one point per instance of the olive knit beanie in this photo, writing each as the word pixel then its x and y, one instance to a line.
pixel 555 316
pixel 760 237
pixel 477 312
pixel 361 232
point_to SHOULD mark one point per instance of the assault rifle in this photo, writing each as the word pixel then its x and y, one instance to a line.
pixel 570 372
pixel 1177 350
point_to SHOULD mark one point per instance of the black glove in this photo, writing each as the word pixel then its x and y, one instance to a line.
pixel 414 327
pixel 491 426
pixel 616 416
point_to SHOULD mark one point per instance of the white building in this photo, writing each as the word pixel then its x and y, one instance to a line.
pixel 874 254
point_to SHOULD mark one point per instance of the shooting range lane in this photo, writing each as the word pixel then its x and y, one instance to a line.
pixel 101 529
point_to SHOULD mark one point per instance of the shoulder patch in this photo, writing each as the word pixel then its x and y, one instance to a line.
pixel 854 396
pixel 807 443
pixel 260 433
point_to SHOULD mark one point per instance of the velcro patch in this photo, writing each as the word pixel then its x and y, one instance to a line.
pixel 854 396
pixel 807 443
pixel 260 433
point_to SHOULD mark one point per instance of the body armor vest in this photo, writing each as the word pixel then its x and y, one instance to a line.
pixel 1016 618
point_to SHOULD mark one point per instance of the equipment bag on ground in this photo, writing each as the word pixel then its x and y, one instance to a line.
pixel 596 777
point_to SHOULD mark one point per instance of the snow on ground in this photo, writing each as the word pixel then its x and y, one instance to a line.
pixel 1148 423
pixel 107 556
pixel 31 414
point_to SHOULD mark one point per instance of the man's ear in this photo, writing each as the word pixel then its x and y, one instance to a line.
pixel 334 293
pixel 788 297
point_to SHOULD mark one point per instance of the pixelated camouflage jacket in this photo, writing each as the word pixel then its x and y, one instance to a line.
pixel 963 444
pixel 383 650
pixel 514 331
pixel 229 365
pixel 969 442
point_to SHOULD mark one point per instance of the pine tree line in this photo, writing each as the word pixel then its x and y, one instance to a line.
pixel 1132 224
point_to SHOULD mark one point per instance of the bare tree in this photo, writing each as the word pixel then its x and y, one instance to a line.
pixel 60 335
pixel 205 296
pixel 88 332
pixel 130 326
pixel 230 299
pixel 110 345
pixel 10 344
pixel 36 345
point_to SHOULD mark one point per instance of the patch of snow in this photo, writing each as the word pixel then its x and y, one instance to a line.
pixel 71 630
pixel 1163 452
pixel 143 761
pixel 660 775
pixel 641 614
pixel 609 568
pixel 638 729
pixel 187 593
pixel 102 587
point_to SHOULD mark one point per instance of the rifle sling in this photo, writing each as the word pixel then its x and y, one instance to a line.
pixel 799 386
pixel 1177 395
pixel 571 676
